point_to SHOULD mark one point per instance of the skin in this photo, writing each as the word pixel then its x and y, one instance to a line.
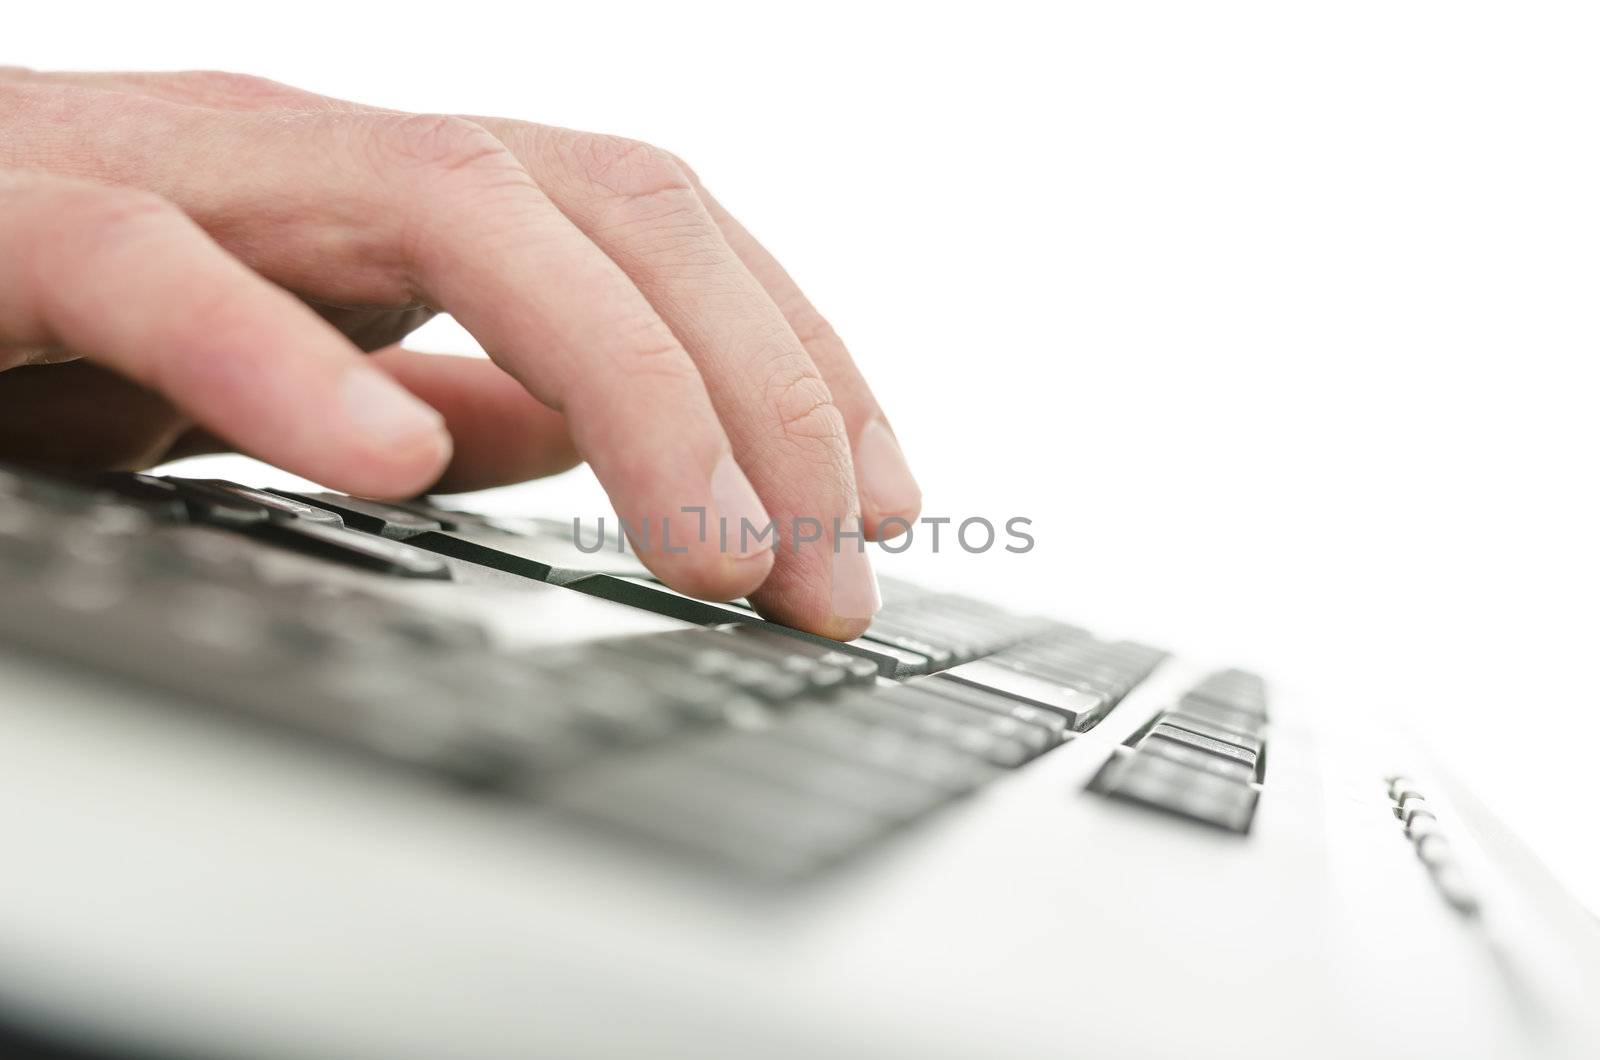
pixel 199 261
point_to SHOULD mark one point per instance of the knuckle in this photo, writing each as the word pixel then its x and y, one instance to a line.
pixel 226 85
pixel 620 168
pixel 641 347
pixel 447 179
pixel 651 350
pixel 442 143
pixel 803 405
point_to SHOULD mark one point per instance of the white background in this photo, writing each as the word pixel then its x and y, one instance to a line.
pixel 1279 320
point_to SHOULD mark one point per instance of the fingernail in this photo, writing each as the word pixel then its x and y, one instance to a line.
pixel 386 412
pixel 855 586
pixel 738 505
pixel 886 481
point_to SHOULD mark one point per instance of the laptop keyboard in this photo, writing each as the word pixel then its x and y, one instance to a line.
pixel 767 749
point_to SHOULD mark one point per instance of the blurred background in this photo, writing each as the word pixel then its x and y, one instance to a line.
pixel 1279 321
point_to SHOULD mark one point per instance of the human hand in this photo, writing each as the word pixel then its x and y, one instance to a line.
pixel 198 258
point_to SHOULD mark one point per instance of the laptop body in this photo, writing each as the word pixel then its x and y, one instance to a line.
pixel 204 864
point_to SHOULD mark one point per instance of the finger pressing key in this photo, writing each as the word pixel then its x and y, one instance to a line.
pixel 637 203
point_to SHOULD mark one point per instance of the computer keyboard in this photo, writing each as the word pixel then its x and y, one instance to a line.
pixel 773 751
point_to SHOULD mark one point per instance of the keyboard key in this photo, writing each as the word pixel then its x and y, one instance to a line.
pixel 1202 727
pixel 822 675
pixel 333 541
pixel 1053 722
pixel 883 633
pixel 486 547
pixel 856 669
pixel 1408 802
pixel 154 496
pixel 1081 709
pixel 890 661
pixel 1198 759
pixel 1035 738
pixel 1398 783
pixel 1233 690
pixel 1222 718
pixel 1219 748
pixel 371 517
pixel 230 503
pixel 1159 782
pixel 893 660
pixel 979 738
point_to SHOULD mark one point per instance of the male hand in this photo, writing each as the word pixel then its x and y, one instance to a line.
pixel 197 260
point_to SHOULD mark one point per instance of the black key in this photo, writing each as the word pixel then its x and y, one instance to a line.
pixel 1206 744
pixel 229 504
pixel 1081 709
pixel 1112 691
pixel 978 738
pixel 372 517
pixel 1036 738
pixel 1216 732
pixel 154 496
pixel 890 661
pixel 1224 718
pixel 819 676
pixel 897 593
pixel 1233 690
pixel 947 638
pixel 487 547
pixel 731 663
pixel 1200 697
pixel 883 633
pixel 1160 782
pixel 335 542
pixel 448 518
pixel 1204 761
pixel 893 661
pixel 1053 722
pixel 858 669
pixel 1085 677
